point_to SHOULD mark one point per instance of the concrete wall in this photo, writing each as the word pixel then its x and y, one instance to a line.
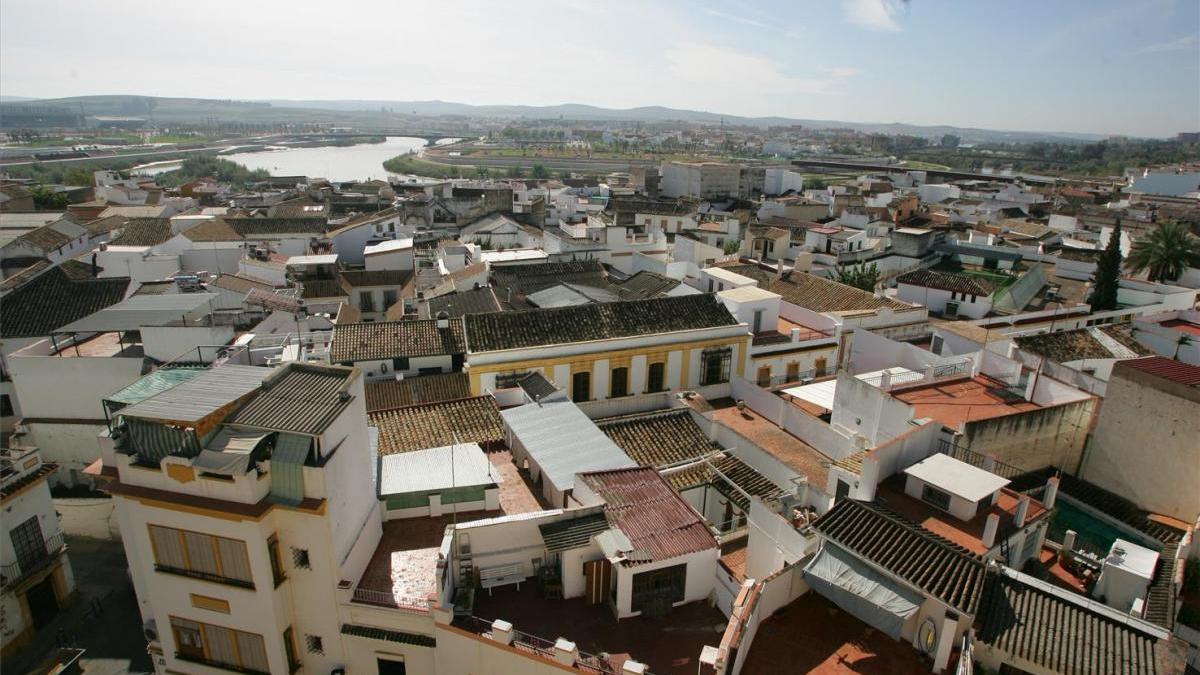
pixel 166 343
pixel 1145 445
pixel 1052 436
pixel 89 518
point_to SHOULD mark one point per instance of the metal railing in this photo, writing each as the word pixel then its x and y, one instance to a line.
pixel 980 461
pixel 533 644
pixel 370 596
pixel 15 572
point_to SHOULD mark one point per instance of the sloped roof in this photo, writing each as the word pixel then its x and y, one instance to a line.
pixel 144 232
pixel 55 298
pixel 299 397
pixel 948 281
pixel 1168 369
pixel 430 425
pixel 388 394
pixel 253 227
pixel 213 230
pixel 906 550
pixel 395 339
pixel 816 293
pixel 602 321
pixel 461 303
pixel 562 441
pixel 658 522
pixel 1084 343
pixel 356 278
pixel 240 284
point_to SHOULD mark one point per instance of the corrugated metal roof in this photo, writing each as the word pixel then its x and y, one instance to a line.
pixel 200 396
pixel 641 503
pixel 1168 369
pixel 153 384
pixel 563 441
pixel 572 533
pixel 299 397
pixel 463 465
pixel 140 310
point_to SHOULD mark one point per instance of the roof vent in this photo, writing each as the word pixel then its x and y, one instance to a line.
pixel 343 396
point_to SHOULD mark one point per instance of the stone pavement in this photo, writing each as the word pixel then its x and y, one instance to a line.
pixel 104 619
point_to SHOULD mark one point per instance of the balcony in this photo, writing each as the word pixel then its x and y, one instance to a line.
pixel 538 646
pixel 204 576
pixel 14 573
pixel 233 668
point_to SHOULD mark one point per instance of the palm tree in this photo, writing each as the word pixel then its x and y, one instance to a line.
pixel 1166 252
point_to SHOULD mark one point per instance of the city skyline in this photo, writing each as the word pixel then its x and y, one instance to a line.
pixel 1063 67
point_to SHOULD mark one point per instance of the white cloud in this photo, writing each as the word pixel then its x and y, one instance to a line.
pixel 878 15
pixel 1182 44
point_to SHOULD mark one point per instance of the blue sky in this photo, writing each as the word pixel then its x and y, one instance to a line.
pixel 1099 66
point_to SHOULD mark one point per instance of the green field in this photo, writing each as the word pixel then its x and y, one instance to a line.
pixel 410 163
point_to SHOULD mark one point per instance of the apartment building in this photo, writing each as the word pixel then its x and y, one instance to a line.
pixel 705 180
pixel 239 500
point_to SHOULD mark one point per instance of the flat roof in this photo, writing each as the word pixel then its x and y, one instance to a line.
pixel 726 275
pixel 388 246
pixel 513 255
pixel 822 393
pixel 462 465
pixel 138 311
pixel 747 294
pixel 956 477
pixel 1132 558
pixel 563 441
pixel 325 259
pixel 956 402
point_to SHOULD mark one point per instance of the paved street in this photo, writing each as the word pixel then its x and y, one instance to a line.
pixel 104 620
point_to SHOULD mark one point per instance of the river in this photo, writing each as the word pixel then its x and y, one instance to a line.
pixel 352 162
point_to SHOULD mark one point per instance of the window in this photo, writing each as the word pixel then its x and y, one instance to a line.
pixel 366 301
pixel 758 314
pixel 714 366
pixel 710 285
pixel 28 543
pixel 764 376
pixel 300 559
pixel 400 364
pixel 289 646
pixel 200 555
pixel 936 497
pixel 509 380
pixel 314 644
pixel 842 491
pixel 656 377
pixel 658 589
pixel 793 372
pixel 219 646
pixel 276 561
pixel 620 382
pixel 581 387
pixel 6 407
pixel 935 345
pixel 389 299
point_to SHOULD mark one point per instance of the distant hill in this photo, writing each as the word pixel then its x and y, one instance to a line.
pixel 380 114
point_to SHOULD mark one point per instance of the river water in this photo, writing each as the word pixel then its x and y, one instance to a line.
pixel 354 162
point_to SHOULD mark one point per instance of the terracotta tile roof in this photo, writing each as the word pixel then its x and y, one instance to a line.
pixel 255 227
pixel 816 293
pixel 395 339
pixel 461 303
pixel 322 288
pixel 645 285
pixel 104 225
pixel 56 298
pixel 213 230
pixel 143 232
pixel 948 281
pixel 901 548
pixel 598 321
pixel 44 238
pixel 433 425
pixel 659 439
pixel 414 390
pixel 655 518
pixel 1031 624
pixel 1168 369
pixel 240 284
pixel 1074 345
pixel 15 280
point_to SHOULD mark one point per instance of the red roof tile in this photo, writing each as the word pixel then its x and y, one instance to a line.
pixel 1168 369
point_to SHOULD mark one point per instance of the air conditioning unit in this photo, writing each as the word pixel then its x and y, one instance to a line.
pixel 150 630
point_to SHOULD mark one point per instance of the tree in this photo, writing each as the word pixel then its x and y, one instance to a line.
pixel 861 276
pixel 47 198
pixel 516 172
pixel 1108 274
pixel 950 141
pixel 539 171
pixel 78 177
pixel 1166 252
pixel 732 246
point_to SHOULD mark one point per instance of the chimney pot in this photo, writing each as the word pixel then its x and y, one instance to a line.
pixel 1022 511
pixel 1051 494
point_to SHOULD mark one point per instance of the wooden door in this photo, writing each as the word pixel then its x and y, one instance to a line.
pixel 597 580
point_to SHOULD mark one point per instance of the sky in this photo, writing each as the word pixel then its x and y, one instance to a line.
pixel 1095 66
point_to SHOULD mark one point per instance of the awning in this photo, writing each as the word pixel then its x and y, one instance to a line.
pixel 857 588
pixel 230 440
pixel 222 463
pixel 287 468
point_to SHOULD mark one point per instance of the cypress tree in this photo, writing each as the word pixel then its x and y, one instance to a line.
pixel 1108 274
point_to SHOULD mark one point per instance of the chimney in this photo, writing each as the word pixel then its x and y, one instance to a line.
pixel 565 652
pixel 795 335
pixel 631 667
pixel 1022 511
pixel 443 320
pixel 1051 493
pixel 989 530
pixel 502 631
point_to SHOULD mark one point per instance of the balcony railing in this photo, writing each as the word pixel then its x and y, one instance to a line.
pixel 15 573
pixel 370 596
pixel 532 644
pixel 206 576
pixel 219 664
pixel 980 461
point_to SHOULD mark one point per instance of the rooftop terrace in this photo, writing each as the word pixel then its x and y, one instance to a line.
pixel 959 401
